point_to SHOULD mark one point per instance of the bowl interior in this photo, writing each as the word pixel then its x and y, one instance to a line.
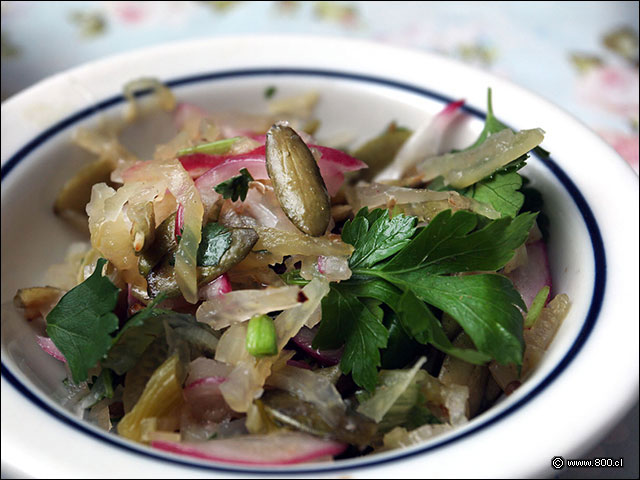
pixel 351 110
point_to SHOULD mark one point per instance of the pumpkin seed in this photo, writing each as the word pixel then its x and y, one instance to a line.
pixel 296 180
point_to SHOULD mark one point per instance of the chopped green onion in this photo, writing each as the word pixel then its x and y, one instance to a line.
pixel 261 336
pixel 214 148
pixel 536 307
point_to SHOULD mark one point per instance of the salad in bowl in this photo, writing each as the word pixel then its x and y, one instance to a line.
pixel 249 295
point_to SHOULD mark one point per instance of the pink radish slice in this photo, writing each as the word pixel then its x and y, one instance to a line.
pixel 205 400
pixel 332 164
pixel 197 164
pixel 530 278
pixel 219 286
pixel 49 347
pixel 186 111
pixel 205 381
pixel 304 339
pixel 207 182
pixel 179 223
pixel 284 448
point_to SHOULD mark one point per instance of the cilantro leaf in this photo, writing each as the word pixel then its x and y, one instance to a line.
pixel 236 187
pixel 81 322
pixel 215 241
pixel 376 237
pixel 360 323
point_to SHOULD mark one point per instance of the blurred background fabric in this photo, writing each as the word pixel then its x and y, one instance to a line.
pixel 582 56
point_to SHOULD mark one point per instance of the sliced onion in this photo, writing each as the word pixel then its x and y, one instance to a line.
pixel 399 437
pixel 465 168
pixel 241 305
pixel 392 385
pixel 334 268
pixel 203 367
pixel 423 203
pixel 274 449
pixel 547 323
pixel 246 381
pixel 423 143
pixel 289 322
pixel 308 386
pixel 537 340
pixel 110 227
pixel 231 347
pixel 170 173
pixel 281 243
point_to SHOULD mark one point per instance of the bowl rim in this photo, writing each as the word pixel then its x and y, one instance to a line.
pixel 581 203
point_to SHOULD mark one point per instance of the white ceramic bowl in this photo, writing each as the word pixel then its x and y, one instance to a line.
pixel 588 379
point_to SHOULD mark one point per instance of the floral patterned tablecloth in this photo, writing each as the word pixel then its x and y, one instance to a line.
pixel 582 56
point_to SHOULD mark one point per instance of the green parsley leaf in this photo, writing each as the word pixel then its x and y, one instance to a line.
pixel 134 337
pixel 493 125
pixel 81 322
pixel 360 323
pixel 417 275
pixel 376 237
pixel 501 192
pixel 486 306
pixel 101 388
pixel 418 320
pixel 215 241
pixel 148 325
pixel 236 187
pixel 449 244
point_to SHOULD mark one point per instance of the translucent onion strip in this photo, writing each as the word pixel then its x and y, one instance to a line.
pixel 246 381
pixel 280 242
pixel 241 305
pixel 182 187
pixel 465 168
pixel 423 143
pixel 420 202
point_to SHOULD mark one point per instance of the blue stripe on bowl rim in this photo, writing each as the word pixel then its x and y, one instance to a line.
pixel 576 195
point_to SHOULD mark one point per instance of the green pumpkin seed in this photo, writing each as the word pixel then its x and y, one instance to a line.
pixel 162 278
pixel 297 182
